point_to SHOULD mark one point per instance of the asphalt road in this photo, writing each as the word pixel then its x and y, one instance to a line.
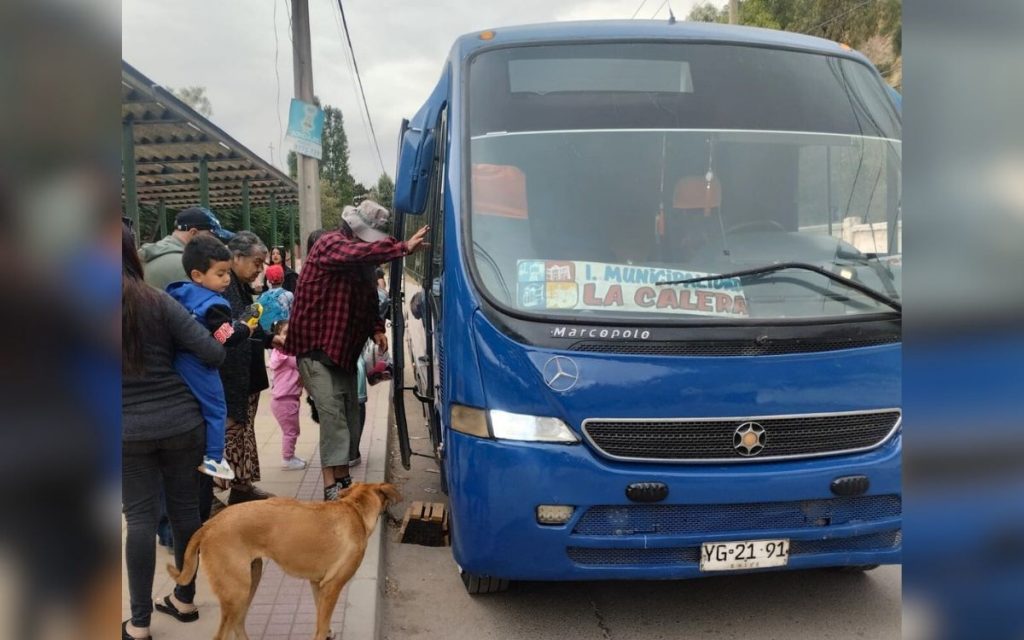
pixel 424 596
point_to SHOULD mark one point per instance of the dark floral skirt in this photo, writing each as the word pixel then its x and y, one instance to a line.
pixel 240 449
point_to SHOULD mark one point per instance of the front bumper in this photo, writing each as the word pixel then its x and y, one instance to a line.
pixel 495 487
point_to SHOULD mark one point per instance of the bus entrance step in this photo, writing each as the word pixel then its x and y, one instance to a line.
pixel 426 523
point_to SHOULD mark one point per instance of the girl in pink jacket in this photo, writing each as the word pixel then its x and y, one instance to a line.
pixel 285 391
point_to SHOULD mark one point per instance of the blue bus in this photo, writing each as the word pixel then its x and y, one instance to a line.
pixel 658 331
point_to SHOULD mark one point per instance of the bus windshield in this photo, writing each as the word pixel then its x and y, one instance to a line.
pixel 598 171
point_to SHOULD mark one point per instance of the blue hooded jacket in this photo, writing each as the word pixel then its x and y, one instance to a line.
pixel 204 381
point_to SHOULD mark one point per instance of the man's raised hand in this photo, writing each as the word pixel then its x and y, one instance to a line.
pixel 416 242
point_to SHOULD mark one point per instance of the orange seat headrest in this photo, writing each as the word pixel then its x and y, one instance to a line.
pixel 499 190
pixel 695 192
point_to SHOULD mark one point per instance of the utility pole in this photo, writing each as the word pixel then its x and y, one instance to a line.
pixel 309 168
pixel 734 11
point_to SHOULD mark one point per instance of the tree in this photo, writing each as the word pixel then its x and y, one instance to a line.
pixel 293 165
pixel 706 12
pixel 195 97
pixel 874 27
pixel 331 205
pixel 334 162
pixel 385 191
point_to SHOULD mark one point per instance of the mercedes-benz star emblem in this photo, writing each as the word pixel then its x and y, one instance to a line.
pixel 561 373
pixel 749 439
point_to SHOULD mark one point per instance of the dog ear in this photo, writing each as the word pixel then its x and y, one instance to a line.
pixel 388 493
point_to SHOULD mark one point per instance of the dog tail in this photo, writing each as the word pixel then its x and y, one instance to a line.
pixel 191 562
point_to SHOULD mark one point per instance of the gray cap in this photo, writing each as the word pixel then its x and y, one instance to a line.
pixel 369 221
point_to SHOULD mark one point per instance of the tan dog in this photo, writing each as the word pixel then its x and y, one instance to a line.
pixel 322 542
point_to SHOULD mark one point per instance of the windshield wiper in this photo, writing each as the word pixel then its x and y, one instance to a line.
pixel 780 266
pixel 493 264
pixel 873 262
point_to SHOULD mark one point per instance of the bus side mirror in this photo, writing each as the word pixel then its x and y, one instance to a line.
pixel 415 167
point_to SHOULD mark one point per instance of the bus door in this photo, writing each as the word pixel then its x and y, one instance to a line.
pixel 418 191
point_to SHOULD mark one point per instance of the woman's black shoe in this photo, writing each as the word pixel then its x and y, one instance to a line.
pixel 127 636
pixel 246 494
pixel 167 606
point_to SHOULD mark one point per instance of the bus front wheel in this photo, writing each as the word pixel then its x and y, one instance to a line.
pixel 479 585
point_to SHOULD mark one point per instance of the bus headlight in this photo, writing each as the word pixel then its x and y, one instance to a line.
pixel 516 426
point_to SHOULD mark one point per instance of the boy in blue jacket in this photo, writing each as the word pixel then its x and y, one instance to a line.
pixel 208 264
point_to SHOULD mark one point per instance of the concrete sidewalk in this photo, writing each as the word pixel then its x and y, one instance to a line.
pixel 283 606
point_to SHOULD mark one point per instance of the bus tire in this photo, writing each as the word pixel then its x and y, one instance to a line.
pixel 480 585
pixel 856 568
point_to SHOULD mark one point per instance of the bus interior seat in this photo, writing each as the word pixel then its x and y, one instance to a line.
pixel 697 194
pixel 693 219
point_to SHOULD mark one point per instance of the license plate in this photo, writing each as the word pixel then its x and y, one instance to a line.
pixel 749 554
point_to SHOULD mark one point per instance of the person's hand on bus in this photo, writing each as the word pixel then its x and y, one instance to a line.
pixel 381 340
pixel 416 242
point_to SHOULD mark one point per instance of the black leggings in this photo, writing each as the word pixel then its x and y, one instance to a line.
pixel 146 466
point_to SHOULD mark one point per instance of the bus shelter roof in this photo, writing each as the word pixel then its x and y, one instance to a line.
pixel 170 139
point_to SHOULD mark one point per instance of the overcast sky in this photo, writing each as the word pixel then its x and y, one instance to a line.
pixel 228 46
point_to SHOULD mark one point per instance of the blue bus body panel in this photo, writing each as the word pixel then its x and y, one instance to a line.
pixel 495 532
pixel 604 30
pixel 621 386
pixel 496 485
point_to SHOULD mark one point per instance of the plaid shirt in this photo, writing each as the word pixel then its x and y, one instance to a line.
pixel 335 307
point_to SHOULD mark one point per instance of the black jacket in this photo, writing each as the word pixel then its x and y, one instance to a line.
pixel 244 371
pixel 158 404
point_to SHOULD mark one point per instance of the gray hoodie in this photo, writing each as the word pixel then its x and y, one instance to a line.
pixel 162 262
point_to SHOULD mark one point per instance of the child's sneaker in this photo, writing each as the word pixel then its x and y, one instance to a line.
pixel 293 464
pixel 216 469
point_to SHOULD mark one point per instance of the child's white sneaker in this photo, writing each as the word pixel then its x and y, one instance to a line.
pixel 217 469
pixel 293 464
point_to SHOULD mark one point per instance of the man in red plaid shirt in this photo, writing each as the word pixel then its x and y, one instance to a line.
pixel 334 313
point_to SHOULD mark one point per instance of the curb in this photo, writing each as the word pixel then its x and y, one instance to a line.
pixel 363 610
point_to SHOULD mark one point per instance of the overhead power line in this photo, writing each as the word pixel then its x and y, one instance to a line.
pixel 277 76
pixel 841 15
pixel 362 92
pixel 352 75
pixel 658 10
pixel 642 3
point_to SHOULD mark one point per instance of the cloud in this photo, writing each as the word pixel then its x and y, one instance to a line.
pixel 229 47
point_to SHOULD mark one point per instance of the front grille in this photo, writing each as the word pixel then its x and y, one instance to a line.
pixel 883 540
pixel 712 439
pixel 682 556
pixel 711 348
pixel 635 519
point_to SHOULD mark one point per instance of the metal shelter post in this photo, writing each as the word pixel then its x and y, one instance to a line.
pixel 131 197
pixel 204 183
pixel 246 218
pixel 291 233
pixel 273 221
pixel 161 212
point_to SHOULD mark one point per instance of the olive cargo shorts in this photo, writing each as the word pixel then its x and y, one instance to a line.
pixel 337 402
